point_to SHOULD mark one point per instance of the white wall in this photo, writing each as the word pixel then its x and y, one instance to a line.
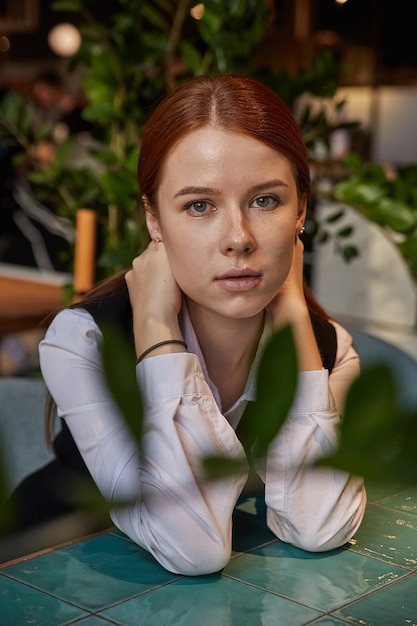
pixel 374 291
pixel 390 114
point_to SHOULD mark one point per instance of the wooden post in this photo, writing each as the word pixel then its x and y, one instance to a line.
pixel 85 252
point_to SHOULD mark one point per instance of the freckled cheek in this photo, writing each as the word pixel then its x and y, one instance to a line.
pixel 281 258
pixel 189 264
pixel 278 239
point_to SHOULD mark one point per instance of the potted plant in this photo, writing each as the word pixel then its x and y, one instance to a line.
pixel 127 60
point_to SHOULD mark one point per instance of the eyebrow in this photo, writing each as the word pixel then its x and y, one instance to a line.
pixel 195 190
pixel 186 191
pixel 269 184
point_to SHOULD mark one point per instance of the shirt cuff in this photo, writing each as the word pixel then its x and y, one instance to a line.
pixel 312 395
pixel 170 375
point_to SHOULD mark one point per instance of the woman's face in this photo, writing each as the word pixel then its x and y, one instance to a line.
pixel 228 212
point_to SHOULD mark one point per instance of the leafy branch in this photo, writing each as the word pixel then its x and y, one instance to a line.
pixel 388 201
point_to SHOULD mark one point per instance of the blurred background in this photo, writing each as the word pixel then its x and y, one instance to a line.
pixel 77 80
pixel 378 34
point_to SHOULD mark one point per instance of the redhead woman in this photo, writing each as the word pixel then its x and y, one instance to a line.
pixel 224 179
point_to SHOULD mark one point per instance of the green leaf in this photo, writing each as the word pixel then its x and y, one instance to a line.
pixel 393 214
pixel 168 6
pixel 408 249
pixel 376 435
pixel 220 467
pixel 322 236
pixel 131 162
pixel 276 386
pixel 73 6
pixel 105 156
pixel 354 163
pixel 94 33
pixel 370 406
pixel 45 132
pixel 97 91
pixel 119 368
pixel 345 232
pixel 7 512
pixel 349 253
pixel 119 185
pixel 62 153
pixel 334 217
pixel 156 18
pixel 100 112
pixel 356 192
pixel 192 57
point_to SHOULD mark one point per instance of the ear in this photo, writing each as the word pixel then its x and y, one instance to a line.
pixel 152 221
pixel 301 215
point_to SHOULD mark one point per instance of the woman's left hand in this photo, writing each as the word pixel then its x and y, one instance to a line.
pixel 290 307
pixel 289 304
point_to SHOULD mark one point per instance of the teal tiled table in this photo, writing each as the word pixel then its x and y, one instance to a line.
pixel 106 579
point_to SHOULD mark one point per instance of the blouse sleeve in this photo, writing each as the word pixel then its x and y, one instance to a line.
pixel 314 508
pixel 183 519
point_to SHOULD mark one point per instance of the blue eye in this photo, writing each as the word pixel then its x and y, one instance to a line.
pixel 198 206
pixel 265 202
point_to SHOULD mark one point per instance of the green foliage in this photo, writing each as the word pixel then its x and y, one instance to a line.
pixel 264 418
pixel 15 121
pixel 6 512
pixel 278 370
pixel 390 202
pixel 118 360
pixel 342 237
pixel 378 435
pixel 129 57
pixel 221 29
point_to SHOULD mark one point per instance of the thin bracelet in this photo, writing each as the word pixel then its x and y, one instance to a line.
pixel 157 345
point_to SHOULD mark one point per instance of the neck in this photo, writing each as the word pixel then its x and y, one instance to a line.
pixel 229 347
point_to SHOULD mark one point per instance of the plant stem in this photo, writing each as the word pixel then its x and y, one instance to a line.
pixel 112 223
pixel 174 38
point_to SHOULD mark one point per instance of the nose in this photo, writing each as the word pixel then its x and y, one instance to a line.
pixel 238 237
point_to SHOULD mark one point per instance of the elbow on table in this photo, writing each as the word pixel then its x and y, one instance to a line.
pixel 207 560
pixel 315 538
pixel 318 543
pixel 187 553
pixel 310 541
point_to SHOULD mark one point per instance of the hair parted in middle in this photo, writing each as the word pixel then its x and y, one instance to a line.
pixel 229 102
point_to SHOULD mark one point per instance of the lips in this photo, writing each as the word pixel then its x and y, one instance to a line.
pixel 239 280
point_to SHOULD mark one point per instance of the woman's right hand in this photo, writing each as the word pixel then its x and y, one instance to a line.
pixel 155 297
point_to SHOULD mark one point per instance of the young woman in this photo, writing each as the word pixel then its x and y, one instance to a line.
pixel 224 179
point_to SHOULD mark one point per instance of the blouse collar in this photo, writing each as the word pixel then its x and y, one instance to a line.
pixel 234 413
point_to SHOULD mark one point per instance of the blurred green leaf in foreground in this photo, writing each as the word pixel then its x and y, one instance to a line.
pixel 378 436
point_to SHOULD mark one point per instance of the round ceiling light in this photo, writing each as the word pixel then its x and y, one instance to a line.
pixel 64 39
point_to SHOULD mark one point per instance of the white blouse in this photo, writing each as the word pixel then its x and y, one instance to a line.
pixel 175 513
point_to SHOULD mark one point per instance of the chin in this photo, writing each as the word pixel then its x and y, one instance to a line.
pixel 242 311
pixel 236 308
